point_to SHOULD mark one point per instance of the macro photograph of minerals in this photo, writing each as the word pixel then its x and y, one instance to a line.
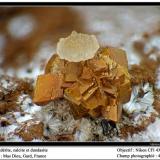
pixel 80 74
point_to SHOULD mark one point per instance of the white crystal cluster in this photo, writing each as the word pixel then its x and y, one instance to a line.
pixel 77 47
pixel 141 100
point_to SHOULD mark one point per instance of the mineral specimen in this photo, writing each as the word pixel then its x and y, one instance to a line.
pixel 96 84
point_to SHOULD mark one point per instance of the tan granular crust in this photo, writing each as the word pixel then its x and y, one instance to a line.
pixel 142 74
pixel 30 130
pixel 146 71
pixel 8 107
pixel 156 103
pixel 63 137
pixel 8 96
pixel 130 130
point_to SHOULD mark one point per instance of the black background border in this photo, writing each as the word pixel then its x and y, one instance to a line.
pixel 60 4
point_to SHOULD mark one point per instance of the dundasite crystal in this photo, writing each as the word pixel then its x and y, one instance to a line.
pixel 97 86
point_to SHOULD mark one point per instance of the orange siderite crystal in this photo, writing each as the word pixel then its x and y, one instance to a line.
pixel 96 87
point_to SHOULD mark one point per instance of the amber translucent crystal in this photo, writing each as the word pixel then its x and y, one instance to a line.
pixel 95 87
pixel 48 88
